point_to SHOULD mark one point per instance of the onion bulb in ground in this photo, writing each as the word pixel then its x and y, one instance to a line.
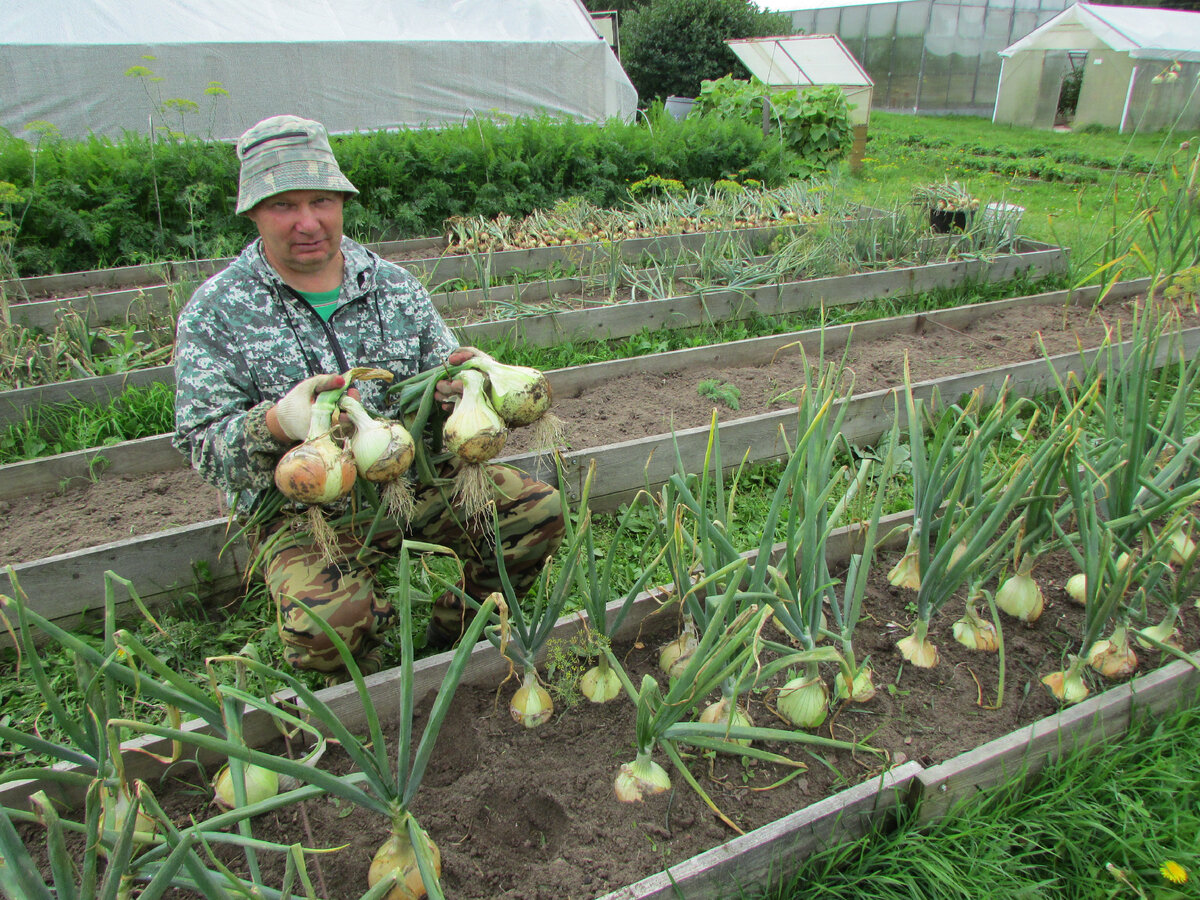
pixel 1182 547
pixel 1114 657
pixel 475 434
pixel 1020 596
pixel 675 655
pixel 907 572
pixel 1076 588
pixel 531 705
pixel 640 778
pixel 723 712
pixel 1164 632
pixel 600 684
pixel 383 451
pixel 804 701
pixel 975 632
pixel 863 688
pixel 397 856
pixel 114 813
pixel 260 784
pixel 917 648
pixel 1068 684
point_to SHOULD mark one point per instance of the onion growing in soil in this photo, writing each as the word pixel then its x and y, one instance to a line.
pixel 804 701
pixel 675 655
pixel 260 783
pixel 976 633
pixel 397 856
pixel 531 705
pixel 1020 595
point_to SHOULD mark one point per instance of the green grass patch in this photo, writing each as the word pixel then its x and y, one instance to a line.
pixel 44 431
pixel 1098 824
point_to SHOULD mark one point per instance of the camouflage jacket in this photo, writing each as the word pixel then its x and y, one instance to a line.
pixel 245 338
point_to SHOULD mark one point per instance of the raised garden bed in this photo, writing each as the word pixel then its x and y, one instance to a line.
pixel 617 396
pixel 529 813
pixel 606 322
pixel 106 295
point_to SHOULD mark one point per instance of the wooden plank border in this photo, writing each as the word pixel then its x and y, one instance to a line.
pixel 773 853
pixel 621 470
pixel 1023 753
pixel 624 319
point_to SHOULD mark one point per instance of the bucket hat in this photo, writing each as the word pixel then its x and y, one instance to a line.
pixel 286 153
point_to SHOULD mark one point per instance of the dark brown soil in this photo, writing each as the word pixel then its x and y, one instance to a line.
pixel 620 409
pixel 531 814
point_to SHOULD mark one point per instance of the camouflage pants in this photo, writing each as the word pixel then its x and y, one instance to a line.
pixel 343 592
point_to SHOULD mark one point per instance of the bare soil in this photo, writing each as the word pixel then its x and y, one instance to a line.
pixel 530 814
pixel 610 411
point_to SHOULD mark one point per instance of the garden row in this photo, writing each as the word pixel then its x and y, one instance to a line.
pixel 167 562
pixel 934 781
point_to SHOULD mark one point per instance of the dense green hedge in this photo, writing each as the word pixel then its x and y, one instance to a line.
pixel 93 203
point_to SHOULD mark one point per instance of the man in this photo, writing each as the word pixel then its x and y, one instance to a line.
pixel 260 340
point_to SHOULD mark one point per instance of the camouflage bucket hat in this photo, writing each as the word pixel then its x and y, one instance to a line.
pixel 286 153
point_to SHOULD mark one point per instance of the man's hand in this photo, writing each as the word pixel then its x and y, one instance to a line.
pixel 448 390
pixel 288 420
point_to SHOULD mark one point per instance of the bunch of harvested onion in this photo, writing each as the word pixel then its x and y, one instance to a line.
pixel 324 467
pixel 495 398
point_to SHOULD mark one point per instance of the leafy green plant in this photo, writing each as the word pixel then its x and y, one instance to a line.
pixel 722 392
pixel 814 124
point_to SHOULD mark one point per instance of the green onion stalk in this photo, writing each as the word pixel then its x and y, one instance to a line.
pixel 724 650
pixel 519 628
pixel 122 820
pixel 696 517
pixel 1114 589
pixel 956 511
pixel 802 584
pixel 604 605
pixel 408 863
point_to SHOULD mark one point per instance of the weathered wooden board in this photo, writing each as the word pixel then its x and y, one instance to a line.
pixel 1024 752
pixel 597 324
pixel 188 560
pixel 694 310
pixel 166 272
pixel 750 863
pixel 485 666
pixel 64 470
pixel 16 404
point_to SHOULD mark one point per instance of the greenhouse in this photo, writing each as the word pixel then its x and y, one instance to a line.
pixel 925 55
pixel 1136 69
pixel 103 67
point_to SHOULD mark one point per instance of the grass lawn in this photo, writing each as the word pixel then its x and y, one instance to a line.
pixel 1075 187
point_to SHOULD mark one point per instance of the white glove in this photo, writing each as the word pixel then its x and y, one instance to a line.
pixel 294 411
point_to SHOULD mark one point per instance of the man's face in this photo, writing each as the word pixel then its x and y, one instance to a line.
pixel 301 230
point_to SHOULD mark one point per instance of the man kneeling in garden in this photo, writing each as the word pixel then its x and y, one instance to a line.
pixel 256 345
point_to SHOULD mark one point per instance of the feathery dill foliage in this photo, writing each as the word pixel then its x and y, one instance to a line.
pixel 97 202
pixel 1091 825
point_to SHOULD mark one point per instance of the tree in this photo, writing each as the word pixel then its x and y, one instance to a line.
pixel 669 46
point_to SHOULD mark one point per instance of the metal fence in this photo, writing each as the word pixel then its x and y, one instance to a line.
pixel 936 56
